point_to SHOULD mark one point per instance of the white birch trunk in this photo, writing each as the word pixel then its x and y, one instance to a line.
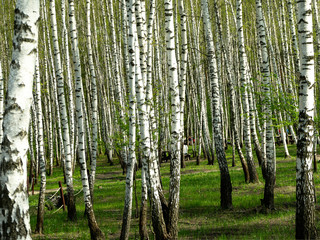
pixel 63 114
pixel 14 205
pixel 174 190
pixel 225 184
pixel 268 201
pixel 132 133
pixel 305 190
pixel 72 125
pixel 245 99
pixel 233 114
pixel 94 102
pixel 42 162
pixel 94 229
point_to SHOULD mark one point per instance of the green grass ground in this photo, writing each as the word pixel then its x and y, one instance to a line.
pixel 200 214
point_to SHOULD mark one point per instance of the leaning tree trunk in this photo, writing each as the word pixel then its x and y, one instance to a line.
pixel 72 214
pixel 225 184
pixel 42 163
pixel 245 96
pixel 305 191
pixel 94 104
pixel 270 174
pixel 183 70
pixel 14 204
pixel 127 212
pixel 95 231
pixel 233 114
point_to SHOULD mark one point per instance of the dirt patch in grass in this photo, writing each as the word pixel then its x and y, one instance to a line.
pixel 115 175
pixel 285 190
pixel 194 171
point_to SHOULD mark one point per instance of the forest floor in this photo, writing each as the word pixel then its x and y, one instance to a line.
pixel 200 214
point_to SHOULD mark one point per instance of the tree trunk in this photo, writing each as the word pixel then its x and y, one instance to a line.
pixel 225 183
pixel 95 231
pixel 72 214
pixel 305 190
pixel 245 99
pixel 42 162
pixel 125 230
pixel 14 205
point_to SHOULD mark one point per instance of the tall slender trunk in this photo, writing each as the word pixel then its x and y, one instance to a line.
pixel 270 175
pixel 132 134
pixel 233 114
pixel 245 99
pixel 95 231
pixel 225 183
pixel 174 190
pixel 65 40
pixel 183 70
pixel 72 214
pixel 42 163
pixel 305 190
pixel 94 104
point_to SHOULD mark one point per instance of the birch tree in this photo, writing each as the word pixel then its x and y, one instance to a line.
pixel 64 117
pixel 225 183
pixel 94 102
pixel 41 159
pixel 174 190
pixel 245 97
pixel 14 205
pixel 95 231
pixel 268 200
pixel 132 130
pixel 305 195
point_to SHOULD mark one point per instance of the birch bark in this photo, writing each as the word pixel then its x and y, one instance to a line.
pixel 95 231
pixel 305 195
pixel 72 215
pixel 132 131
pixel 268 201
pixel 94 103
pixel 245 100
pixel 174 190
pixel 14 205
pixel 42 163
pixel 225 183
pixel 233 114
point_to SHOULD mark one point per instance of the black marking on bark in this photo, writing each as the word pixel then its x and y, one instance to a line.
pixel 14 106
pixel 15 64
pixel 33 51
pixel 20 13
pixel 8 166
pixel 22 134
pixel 16 224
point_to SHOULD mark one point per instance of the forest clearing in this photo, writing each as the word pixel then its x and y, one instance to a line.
pixel 159 119
pixel 200 214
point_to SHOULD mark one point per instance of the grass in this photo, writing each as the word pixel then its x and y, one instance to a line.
pixel 200 213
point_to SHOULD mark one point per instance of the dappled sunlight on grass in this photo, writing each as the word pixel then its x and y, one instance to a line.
pixel 200 214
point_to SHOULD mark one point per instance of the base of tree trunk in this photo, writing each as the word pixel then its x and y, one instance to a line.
pixel 226 191
pixel 95 231
pixel 143 231
pixel 71 205
pixel 268 201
